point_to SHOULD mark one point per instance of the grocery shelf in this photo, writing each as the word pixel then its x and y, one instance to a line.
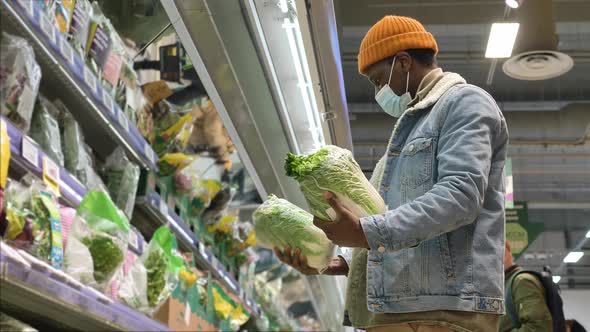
pixel 154 207
pixel 66 76
pixel 26 156
pixel 40 295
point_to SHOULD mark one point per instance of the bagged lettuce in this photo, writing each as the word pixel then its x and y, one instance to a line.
pixel 102 230
pixel 162 263
pixel 278 223
pixel 122 178
pixel 45 129
pixel 334 169
pixel 20 76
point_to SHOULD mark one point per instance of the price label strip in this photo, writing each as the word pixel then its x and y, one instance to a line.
pixel 90 79
pixel 123 120
pixel 51 175
pixel 47 29
pixel 66 51
pixel 107 101
pixel 29 6
pixel 163 207
pixel 30 151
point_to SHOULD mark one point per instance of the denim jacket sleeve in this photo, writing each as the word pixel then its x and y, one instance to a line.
pixel 465 149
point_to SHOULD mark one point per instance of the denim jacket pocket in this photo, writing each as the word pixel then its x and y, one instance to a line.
pixel 446 256
pixel 416 160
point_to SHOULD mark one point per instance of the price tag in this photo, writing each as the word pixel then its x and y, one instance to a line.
pixel 51 174
pixel 107 101
pixel 90 79
pixel 30 151
pixel 149 153
pixel 242 294
pixel 28 5
pixel 123 120
pixel 66 51
pixel 47 28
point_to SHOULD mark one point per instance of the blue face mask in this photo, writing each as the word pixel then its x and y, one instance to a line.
pixel 391 103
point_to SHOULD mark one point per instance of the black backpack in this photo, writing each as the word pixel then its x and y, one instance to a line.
pixel 552 297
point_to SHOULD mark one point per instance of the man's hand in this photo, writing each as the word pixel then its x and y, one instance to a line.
pixel 346 230
pixel 299 262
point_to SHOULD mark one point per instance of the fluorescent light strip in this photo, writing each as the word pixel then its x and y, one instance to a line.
pixel 288 26
pixel 588 235
pixel 573 257
pixel 501 41
pixel 556 279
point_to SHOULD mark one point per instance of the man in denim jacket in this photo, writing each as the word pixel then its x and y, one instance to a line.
pixel 433 261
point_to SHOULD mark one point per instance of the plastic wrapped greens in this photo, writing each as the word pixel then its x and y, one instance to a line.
pixel 77 155
pixel 279 223
pixel 163 265
pixel 45 129
pixel 20 76
pixel 122 180
pixel 33 221
pixel 98 235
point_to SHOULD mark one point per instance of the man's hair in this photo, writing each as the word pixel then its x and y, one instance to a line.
pixel 424 56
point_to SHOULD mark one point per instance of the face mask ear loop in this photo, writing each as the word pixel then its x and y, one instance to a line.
pixel 407 82
pixel 391 72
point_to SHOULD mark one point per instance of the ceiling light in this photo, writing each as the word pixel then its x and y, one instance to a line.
pixel 556 279
pixel 588 235
pixel 573 257
pixel 514 3
pixel 501 41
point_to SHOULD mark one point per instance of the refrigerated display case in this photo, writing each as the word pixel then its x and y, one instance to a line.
pixel 254 65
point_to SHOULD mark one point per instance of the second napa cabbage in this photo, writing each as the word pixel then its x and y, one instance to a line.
pixel 279 223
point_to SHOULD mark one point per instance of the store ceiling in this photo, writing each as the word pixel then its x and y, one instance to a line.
pixel 549 121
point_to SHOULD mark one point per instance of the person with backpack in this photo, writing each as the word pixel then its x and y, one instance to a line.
pixel 532 300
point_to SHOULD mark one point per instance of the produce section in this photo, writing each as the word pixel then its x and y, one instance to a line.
pixel 123 202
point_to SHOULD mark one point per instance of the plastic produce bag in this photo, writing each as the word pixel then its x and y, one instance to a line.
pixel 20 76
pixel 334 169
pixel 45 129
pixel 132 288
pixel 163 264
pixel 175 138
pixel 33 221
pixel 122 180
pixel 278 223
pixel 103 230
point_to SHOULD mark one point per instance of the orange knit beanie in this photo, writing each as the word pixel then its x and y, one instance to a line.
pixel 390 35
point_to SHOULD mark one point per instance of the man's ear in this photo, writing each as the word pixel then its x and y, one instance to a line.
pixel 405 61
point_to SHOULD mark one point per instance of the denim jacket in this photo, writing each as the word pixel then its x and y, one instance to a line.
pixel 440 245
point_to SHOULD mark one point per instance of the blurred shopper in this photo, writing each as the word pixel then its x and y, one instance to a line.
pixel 526 305
pixel 433 261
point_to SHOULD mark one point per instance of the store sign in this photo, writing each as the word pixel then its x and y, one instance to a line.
pixel 509 184
pixel 519 231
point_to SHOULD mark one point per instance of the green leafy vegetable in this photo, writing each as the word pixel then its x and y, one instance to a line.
pixel 279 223
pixel 106 255
pixel 334 169
pixel 156 265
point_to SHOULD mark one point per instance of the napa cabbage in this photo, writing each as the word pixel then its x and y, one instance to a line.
pixel 279 223
pixel 334 169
